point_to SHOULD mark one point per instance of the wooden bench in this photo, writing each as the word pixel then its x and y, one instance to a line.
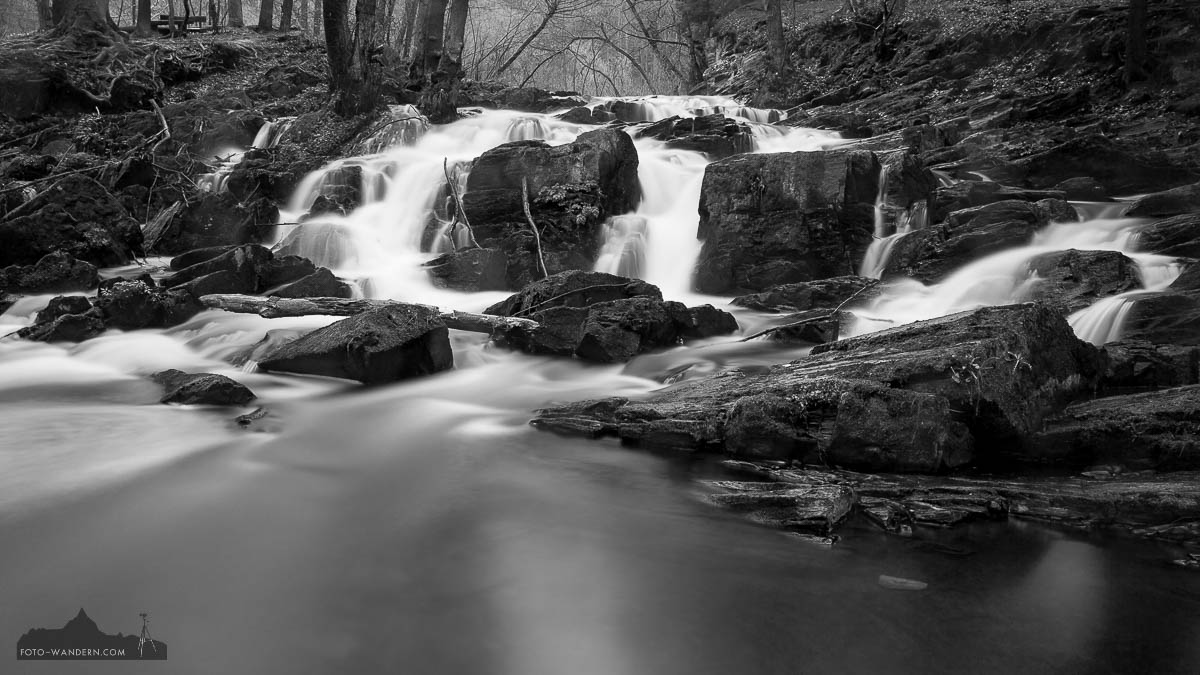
pixel 163 24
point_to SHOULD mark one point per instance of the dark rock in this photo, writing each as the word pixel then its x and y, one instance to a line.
pixel 319 284
pixel 967 194
pixel 1074 279
pixel 703 321
pixel 250 264
pixel 572 190
pixel 1164 317
pixel 532 99
pixel 144 277
pixel 284 81
pixel 812 509
pixel 774 219
pixel 393 342
pixel 53 272
pixel 1189 280
pixel 1159 430
pixel 806 295
pixel 1083 189
pixel 130 305
pixel 913 398
pixel 1141 364
pixel 201 389
pixel 573 288
pixel 1178 236
pixel 76 216
pixel 1173 202
pixel 585 115
pixel 477 269
pixel 66 328
pixel 286 269
pixel 618 330
pixel 1117 169
pixel 62 305
pixel 221 281
pixel 212 221
pixel 714 135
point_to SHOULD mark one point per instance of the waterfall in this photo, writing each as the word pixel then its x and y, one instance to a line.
pixel 268 137
pixel 1004 278
pixel 879 253
pixel 655 108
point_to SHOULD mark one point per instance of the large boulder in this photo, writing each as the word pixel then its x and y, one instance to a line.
pixel 1159 430
pixel 53 272
pixel 247 266
pixel 386 344
pixel 76 216
pixel 923 397
pixel 201 388
pixel 1074 279
pixel 773 219
pixel 130 305
pixel 65 328
pixel 319 284
pixel 1165 317
pixel 476 269
pixel 213 220
pixel 1173 202
pixel 969 193
pixel 1178 236
pixel 1145 365
pixel 714 135
pixel 573 288
pixel 572 190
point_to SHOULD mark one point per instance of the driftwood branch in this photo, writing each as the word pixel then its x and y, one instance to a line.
pixel 459 211
pixel 273 308
pixel 537 236
pixel 835 313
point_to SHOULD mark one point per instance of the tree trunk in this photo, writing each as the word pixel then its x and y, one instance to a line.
pixel 354 73
pixel 450 65
pixel 1135 46
pixel 266 16
pixel 775 43
pixel 318 26
pixel 285 16
pixel 303 12
pixel 77 17
pixel 45 19
pixel 404 45
pixel 234 11
pixel 214 17
pixel 697 20
pixel 144 18
pixel 171 18
pixel 429 40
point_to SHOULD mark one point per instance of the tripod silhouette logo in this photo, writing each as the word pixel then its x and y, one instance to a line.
pixel 145 637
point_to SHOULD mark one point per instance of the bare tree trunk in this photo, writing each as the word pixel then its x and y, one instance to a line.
pixel 214 17
pixel 775 42
pixel 45 20
pixel 318 26
pixel 234 10
pixel 144 17
pixel 171 18
pixel 429 39
pixel 404 46
pixel 1135 46
pixel 355 73
pixel 303 11
pixel 266 16
pixel 77 17
pixel 285 16
pixel 450 65
pixel 337 41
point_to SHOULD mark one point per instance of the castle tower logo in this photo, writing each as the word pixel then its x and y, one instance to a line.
pixel 82 640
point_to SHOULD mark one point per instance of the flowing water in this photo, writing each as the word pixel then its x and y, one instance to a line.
pixel 425 528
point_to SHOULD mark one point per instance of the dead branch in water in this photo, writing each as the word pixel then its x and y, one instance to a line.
pixel 537 236
pixel 459 211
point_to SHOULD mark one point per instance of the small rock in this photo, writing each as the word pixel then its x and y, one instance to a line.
pixel 201 388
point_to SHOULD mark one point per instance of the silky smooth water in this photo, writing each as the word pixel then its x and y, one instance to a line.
pixel 423 527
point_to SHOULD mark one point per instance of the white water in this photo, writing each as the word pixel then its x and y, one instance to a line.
pixel 888 233
pixel 269 135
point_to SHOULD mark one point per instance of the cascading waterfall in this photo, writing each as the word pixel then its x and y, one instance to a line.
pixel 268 136
pixel 655 108
pixel 1005 278
pixel 878 254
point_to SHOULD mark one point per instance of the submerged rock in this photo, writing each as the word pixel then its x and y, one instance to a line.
pixel 53 272
pixel 811 509
pixel 386 344
pixel 201 388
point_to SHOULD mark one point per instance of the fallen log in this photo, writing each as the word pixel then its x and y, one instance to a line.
pixel 273 308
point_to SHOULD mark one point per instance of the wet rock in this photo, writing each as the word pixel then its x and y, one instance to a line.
pixel 212 221
pixel 806 295
pixel 1141 364
pixel 286 269
pixel 618 330
pixel 199 255
pixel 703 321
pixel 913 398
pixel 1166 317
pixel 221 281
pixel 201 389
pixel 585 115
pixel 1189 280
pixel 573 288
pixel 390 343
pixel 472 270
pixel 1178 236
pixel 1173 202
pixel 532 99
pixel 714 135
pixel 53 272
pixel 66 328
pixel 76 216
pixel 249 264
pixel 319 284
pixel 1117 169
pixel 968 194
pixel 1159 430
pixel 812 509
pixel 572 190
pixel 1074 279
pixel 129 305
pixel 1083 189
pixel 969 234
pixel 62 305
pixel 774 219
